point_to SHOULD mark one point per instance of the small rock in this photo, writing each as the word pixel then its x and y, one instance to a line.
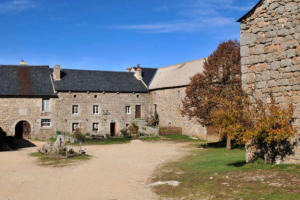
pixel 171 183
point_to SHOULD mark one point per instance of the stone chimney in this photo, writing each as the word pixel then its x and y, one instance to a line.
pixel 138 73
pixel 128 69
pixel 56 72
pixel 22 62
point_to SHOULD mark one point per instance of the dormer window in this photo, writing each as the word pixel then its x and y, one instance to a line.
pixel 46 105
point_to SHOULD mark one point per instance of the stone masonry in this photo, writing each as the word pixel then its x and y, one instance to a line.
pixel 14 110
pixel 270 52
pixel 270 55
pixel 111 109
pixel 168 103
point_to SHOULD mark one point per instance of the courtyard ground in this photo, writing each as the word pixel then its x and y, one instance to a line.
pixel 114 172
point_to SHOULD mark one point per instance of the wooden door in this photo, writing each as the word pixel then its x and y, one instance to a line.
pixel 26 129
pixel 138 113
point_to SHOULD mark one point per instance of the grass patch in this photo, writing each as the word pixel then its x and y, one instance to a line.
pixel 58 160
pixel 150 139
pixel 216 173
pixel 105 141
pixel 172 138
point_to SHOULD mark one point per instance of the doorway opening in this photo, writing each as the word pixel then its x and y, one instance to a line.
pixel 112 129
pixel 22 130
pixel 138 113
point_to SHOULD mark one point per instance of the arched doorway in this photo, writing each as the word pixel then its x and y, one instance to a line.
pixel 22 130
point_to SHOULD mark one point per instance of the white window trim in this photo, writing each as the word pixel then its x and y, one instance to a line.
pixel 49 106
pixel 97 127
pixel 128 113
pixel 72 131
pixel 98 110
pixel 77 110
pixel 46 127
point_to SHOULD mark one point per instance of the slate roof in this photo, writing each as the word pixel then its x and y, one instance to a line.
pixel 148 74
pixel 29 81
pixel 251 11
pixel 98 81
pixel 176 75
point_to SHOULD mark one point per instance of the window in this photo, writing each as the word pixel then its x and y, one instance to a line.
pixel 75 126
pixel 75 109
pixel 128 110
pixel 96 110
pixel 95 127
pixel 46 105
pixel 46 123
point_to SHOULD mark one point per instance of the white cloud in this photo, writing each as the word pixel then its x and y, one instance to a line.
pixel 194 15
pixel 16 6
pixel 180 26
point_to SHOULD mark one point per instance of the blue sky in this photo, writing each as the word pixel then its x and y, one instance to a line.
pixel 115 34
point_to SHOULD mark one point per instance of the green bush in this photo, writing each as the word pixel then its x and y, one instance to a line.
pixel 134 130
pixel 125 133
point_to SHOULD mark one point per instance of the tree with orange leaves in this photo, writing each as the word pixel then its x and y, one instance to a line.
pixel 221 78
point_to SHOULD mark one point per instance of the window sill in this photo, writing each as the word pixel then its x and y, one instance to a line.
pixel 46 127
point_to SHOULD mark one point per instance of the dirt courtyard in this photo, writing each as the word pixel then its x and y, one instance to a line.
pixel 115 172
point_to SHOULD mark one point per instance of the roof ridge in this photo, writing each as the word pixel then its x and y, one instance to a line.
pixel 90 70
pixel 27 66
pixel 169 66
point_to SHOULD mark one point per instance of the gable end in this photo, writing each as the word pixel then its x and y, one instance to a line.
pixel 251 11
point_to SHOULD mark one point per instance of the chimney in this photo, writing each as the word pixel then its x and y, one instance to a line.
pixel 56 72
pixel 22 62
pixel 138 73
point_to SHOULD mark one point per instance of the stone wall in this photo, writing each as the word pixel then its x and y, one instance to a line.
pixel 111 109
pixel 270 52
pixel 14 110
pixel 168 104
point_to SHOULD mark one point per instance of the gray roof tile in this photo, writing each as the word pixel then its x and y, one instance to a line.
pixel 17 80
pixel 98 81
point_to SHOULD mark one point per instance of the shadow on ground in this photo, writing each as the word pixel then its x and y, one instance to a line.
pixel 238 164
pixel 9 143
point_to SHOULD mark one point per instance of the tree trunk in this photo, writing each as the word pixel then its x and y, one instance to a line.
pixel 228 142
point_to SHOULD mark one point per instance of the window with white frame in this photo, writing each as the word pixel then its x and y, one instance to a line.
pixel 75 126
pixel 46 105
pixel 128 110
pixel 96 110
pixel 95 127
pixel 45 123
pixel 75 109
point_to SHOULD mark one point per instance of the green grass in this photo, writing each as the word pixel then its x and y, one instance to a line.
pixel 150 139
pixel 173 138
pixel 105 141
pixel 216 173
pixel 58 160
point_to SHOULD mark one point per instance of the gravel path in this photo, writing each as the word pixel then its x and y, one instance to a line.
pixel 115 172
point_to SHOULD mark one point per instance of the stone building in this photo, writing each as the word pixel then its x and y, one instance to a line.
pixel 270 51
pixel 167 90
pixel 37 101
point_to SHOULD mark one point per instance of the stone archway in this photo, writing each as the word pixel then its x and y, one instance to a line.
pixel 22 130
